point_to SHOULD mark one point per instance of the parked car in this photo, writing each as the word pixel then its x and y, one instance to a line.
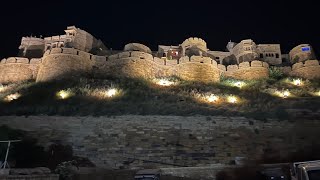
pixel 307 170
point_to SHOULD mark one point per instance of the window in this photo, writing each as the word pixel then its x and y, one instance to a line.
pixel 217 58
pixel 261 55
pixel 277 55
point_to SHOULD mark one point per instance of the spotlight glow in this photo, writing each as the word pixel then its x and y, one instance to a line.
pixel 164 82
pixel 297 82
pixel 2 88
pixel 212 98
pixel 232 99
pixel 111 92
pixel 63 94
pixel 283 94
pixel 239 84
pixel 12 97
pixel 286 94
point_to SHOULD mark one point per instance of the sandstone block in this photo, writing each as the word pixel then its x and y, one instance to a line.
pixel 297 66
pixel 309 63
pixel 256 64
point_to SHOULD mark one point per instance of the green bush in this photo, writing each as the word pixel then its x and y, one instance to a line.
pixel 275 73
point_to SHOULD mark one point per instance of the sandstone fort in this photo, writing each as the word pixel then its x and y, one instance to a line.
pixel 77 53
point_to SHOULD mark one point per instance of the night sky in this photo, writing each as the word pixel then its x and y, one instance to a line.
pixel 152 23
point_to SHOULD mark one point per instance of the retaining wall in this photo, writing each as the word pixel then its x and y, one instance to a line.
pixel 168 141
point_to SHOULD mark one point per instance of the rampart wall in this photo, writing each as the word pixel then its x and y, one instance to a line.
pixel 309 69
pixel 60 63
pixel 68 62
pixel 16 69
pixel 246 70
pixel 137 141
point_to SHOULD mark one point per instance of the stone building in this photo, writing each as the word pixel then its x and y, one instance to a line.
pixel 31 47
pixel 245 51
pixel 75 38
pixel 270 53
pixel 226 58
pixel 78 53
pixel 170 52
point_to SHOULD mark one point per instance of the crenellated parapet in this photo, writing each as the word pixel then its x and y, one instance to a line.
pixel 309 69
pixel 60 63
pixel 17 69
pixel 246 70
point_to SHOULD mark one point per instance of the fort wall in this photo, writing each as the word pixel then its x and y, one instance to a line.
pixel 246 70
pixel 60 63
pixel 136 141
pixel 309 69
pixel 17 69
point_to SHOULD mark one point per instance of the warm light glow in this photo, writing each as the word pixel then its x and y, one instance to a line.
pixel 212 98
pixel 164 82
pixel 2 88
pixel 12 97
pixel 297 82
pixel 63 94
pixel 283 94
pixel 111 92
pixel 239 84
pixel 232 99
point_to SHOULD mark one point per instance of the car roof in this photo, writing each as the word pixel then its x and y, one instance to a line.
pixel 311 166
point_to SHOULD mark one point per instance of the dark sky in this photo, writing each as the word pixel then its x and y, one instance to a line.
pixel 163 22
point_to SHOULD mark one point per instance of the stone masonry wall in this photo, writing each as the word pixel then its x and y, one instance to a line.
pixel 310 69
pixel 140 64
pixel 60 63
pixel 16 69
pixel 198 69
pixel 168 141
pixel 68 62
pixel 247 70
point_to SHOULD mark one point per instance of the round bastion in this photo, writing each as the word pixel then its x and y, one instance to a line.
pixel 62 63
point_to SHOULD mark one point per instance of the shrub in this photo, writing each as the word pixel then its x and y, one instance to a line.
pixel 275 73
